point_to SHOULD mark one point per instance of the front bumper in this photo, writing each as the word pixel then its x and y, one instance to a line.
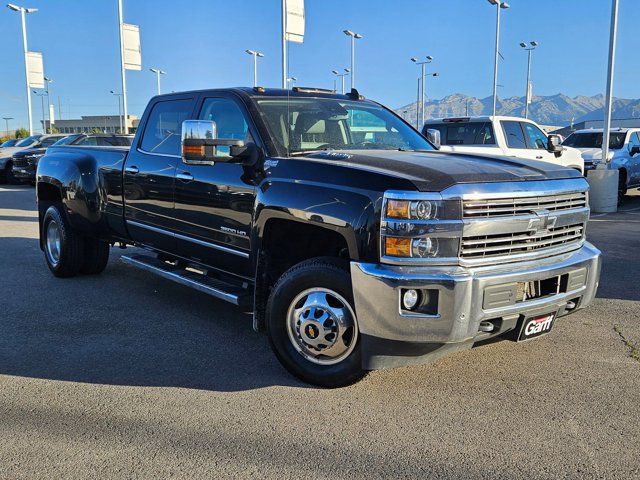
pixel 394 337
pixel 24 173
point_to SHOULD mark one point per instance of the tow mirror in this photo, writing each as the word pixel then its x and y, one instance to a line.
pixel 554 144
pixel 433 136
pixel 200 143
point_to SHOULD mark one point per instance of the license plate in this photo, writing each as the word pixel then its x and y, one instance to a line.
pixel 533 327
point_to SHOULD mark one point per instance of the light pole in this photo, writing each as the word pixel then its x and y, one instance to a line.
pixel 528 96
pixel 6 123
pixel 500 5
pixel 610 69
pixel 354 36
pixel 341 75
pixel 158 72
pixel 255 56
pixel 118 95
pixel 42 95
pixel 23 11
pixel 122 70
pixel 421 89
pixel 49 81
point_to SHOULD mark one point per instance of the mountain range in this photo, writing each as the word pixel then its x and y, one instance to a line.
pixel 557 109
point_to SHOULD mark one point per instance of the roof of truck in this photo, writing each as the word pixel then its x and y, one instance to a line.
pixel 481 118
pixel 600 130
pixel 280 92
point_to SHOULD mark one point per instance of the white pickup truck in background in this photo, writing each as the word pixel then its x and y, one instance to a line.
pixel 624 153
pixel 509 136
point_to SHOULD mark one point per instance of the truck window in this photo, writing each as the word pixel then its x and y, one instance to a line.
pixel 594 140
pixel 514 135
pixel 537 139
pixel 305 124
pixel 162 133
pixel 230 121
pixel 471 133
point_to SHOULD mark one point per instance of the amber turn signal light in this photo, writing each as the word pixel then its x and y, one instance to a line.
pixel 397 247
pixel 398 209
pixel 193 150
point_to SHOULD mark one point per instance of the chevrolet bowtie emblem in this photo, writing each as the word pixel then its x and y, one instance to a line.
pixel 542 221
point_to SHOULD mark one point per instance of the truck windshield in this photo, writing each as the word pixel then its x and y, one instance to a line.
pixel 26 142
pixel 306 124
pixel 594 140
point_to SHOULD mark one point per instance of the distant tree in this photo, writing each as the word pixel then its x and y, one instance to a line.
pixel 96 130
pixel 54 130
pixel 22 133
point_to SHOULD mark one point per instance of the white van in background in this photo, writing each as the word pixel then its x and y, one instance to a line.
pixel 507 136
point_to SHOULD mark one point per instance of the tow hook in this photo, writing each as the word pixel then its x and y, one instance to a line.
pixel 486 327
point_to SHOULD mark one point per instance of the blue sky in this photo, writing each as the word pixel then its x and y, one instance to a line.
pixel 203 47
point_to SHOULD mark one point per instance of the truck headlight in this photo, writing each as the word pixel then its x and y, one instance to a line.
pixel 420 227
pixel 422 247
pixel 412 210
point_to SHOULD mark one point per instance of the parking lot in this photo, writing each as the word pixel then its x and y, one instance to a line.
pixel 127 374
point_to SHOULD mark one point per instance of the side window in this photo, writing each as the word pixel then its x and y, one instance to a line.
pixel 514 135
pixel 537 138
pixel 230 121
pixel 162 133
pixel 88 141
pixel 635 140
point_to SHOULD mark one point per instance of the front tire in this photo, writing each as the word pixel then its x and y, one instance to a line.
pixel 622 188
pixel 63 248
pixel 312 326
pixel 8 174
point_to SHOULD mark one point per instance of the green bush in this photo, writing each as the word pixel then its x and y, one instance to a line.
pixel 22 133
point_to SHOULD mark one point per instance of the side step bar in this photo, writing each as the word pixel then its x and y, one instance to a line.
pixel 201 282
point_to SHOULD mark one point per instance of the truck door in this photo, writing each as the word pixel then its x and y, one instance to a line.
pixel 214 203
pixel 149 174
pixel 634 160
pixel 525 140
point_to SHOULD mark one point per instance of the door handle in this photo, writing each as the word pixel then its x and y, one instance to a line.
pixel 132 169
pixel 186 176
pixel 539 157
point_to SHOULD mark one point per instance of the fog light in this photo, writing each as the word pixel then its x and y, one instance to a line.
pixel 410 299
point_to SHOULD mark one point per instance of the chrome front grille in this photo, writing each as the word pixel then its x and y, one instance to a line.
pixel 21 162
pixel 502 207
pixel 487 246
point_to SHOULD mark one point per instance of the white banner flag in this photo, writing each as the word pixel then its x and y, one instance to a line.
pixel 132 49
pixel 295 21
pixel 530 93
pixel 35 69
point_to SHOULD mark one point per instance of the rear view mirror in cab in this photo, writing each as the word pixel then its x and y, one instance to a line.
pixel 200 145
pixel 433 136
pixel 554 144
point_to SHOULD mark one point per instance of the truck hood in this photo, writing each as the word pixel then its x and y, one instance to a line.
pixel 9 151
pixel 30 151
pixel 593 154
pixel 435 171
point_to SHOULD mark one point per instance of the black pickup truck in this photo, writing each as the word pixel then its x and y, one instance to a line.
pixel 356 244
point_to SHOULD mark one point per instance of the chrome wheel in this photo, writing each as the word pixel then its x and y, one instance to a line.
pixel 53 243
pixel 322 326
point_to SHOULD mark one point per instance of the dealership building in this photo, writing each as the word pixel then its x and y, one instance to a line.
pixel 93 123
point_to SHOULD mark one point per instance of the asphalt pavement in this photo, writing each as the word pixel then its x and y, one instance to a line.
pixel 125 375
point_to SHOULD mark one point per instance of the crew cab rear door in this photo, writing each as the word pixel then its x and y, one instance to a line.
pixel 214 203
pixel 526 140
pixel 149 172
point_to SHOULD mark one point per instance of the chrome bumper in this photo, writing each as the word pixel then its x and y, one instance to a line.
pixel 466 296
